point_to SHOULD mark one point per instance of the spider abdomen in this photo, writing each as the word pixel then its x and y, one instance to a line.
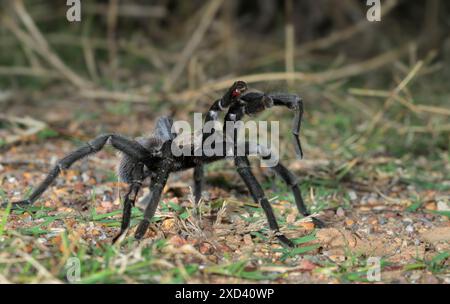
pixel 126 169
pixel 129 169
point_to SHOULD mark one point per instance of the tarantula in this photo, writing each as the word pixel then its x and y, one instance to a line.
pixel 152 157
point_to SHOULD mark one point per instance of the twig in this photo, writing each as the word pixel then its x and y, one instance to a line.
pixel 34 127
pixel 391 98
pixel 32 57
pixel 150 53
pixel 413 107
pixel 401 129
pixel 317 78
pixel 15 162
pixel 113 8
pixel 321 77
pixel 41 269
pixel 129 10
pixel 426 129
pixel 89 57
pixel 35 40
pixel 5 95
pixel 210 11
pixel 26 71
pixel 289 40
pixel 328 41
pixel 4 280
pixel 116 96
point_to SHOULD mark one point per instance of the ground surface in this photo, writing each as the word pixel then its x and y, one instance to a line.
pixel 391 207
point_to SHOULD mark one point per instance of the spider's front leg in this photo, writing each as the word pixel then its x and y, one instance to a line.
pixel 230 97
pixel 293 102
pixel 285 174
pixel 235 113
pixel 135 178
pixel 198 182
pixel 156 187
pixel 129 201
pixel 258 102
pixel 243 168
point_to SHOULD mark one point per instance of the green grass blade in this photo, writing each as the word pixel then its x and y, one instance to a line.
pixel 5 218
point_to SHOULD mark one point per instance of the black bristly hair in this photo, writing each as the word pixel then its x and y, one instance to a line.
pixel 152 157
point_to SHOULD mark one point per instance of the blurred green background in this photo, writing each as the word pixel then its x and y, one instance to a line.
pixel 144 58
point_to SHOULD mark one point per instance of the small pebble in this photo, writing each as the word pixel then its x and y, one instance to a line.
pixel 205 248
pixel 167 225
pixel 407 220
pixel 352 195
pixel 85 177
pixel 410 187
pixel 307 225
pixel 443 206
pixel 430 279
pixel 415 276
pixel 410 228
pixel 365 230
pixel 212 258
pixel 349 222
pixel 431 206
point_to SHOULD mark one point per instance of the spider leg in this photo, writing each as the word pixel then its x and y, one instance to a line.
pixel 287 176
pixel 128 204
pixel 235 113
pixel 156 187
pixel 230 97
pixel 258 102
pixel 121 143
pixel 295 103
pixel 243 168
pixel 296 125
pixel 198 182
pixel 290 179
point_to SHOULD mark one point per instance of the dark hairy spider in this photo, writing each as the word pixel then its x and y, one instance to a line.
pixel 152 157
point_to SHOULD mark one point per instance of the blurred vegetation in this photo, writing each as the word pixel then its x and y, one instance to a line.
pixel 172 53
